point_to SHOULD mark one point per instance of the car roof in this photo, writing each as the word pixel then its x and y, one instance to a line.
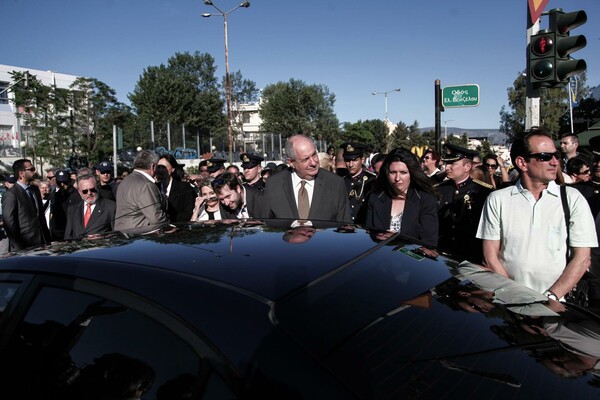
pixel 255 258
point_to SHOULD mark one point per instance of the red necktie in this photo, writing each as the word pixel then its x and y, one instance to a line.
pixel 88 214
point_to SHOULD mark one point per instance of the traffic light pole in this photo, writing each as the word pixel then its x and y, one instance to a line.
pixel 532 101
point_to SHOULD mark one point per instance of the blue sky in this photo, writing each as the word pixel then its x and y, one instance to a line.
pixel 353 47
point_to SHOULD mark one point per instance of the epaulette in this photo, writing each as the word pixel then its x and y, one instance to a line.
pixel 366 171
pixel 481 183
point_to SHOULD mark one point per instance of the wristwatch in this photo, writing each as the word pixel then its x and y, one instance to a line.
pixel 550 294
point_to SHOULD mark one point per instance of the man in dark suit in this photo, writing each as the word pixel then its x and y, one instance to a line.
pixel 236 200
pixel 24 220
pixel 93 215
pixel 307 193
pixel 141 208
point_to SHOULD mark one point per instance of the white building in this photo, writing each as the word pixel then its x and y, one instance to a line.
pixel 11 131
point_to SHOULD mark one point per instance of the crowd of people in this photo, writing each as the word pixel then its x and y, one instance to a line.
pixel 526 224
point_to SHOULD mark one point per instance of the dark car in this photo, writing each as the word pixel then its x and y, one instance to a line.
pixel 250 310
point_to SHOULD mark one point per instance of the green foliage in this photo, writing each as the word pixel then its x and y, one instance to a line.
pixel 368 132
pixel 462 141
pixel 185 91
pixel 554 103
pixel 405 135
pixel 294 107
pixel 64 122
pixel 243 91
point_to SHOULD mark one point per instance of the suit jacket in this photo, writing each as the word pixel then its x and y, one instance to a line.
pixel 181 201
pixel 140 205
pixel 329 201
pixel 25 225
pixel 419 218
pixel 255 203
pixel 101 220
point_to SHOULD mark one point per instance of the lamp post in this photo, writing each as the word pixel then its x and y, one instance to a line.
pixel 244 4
pixel 446 129
pixel 387 141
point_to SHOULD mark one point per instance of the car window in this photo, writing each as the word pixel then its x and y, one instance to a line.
pixel 7 291
pixel 71 344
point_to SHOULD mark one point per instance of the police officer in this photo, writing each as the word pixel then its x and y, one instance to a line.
pixel 460 206
pixel 107 186
pixel 252 171
pixel 358 180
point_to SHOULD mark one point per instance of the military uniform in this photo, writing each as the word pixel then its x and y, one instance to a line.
pixel 358 187
pixel 460 208
pixel 459 211
pixel 251 161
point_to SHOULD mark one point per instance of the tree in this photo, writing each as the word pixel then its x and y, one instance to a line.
pixel 405 135
pixel 44 110
pixel 553 105
pixel 294 107
pixel 185 91
pixel 367 132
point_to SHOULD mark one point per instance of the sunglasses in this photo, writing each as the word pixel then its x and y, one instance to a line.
pixel 492 165
pixel 544 157
pixel 30 169
pixel 426 158
pixel 586 172
pixel 92 190
pixel 51 177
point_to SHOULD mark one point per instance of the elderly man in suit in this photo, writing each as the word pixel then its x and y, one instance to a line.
pixel 141 208
pixel 308 192
pixel 94 215
pixel 22 210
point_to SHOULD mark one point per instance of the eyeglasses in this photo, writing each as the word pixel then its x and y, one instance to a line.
pixel 30 169
pixel 586 172
pixel 106 173
pixel 92 190
pixel 50 177
pixel 544 157
pixel 494 166
pixel 426 158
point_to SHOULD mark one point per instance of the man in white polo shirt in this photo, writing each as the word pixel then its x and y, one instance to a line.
pixel 523 226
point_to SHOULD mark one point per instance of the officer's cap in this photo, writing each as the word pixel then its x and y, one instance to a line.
pixel 250 160
pixel 595 145
pixel 353 150
pixel 455 153
pixel 215 164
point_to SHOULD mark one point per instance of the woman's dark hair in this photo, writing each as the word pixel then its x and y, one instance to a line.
pixel 418 179
pixel 178 172
pixel 490 156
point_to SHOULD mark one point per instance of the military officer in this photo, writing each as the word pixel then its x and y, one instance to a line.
pixel 215 167
pixel 252 171
pixel 460 206
pixel 358 180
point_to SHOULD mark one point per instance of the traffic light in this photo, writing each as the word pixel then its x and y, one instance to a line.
pixel 561 23
pixel 541 54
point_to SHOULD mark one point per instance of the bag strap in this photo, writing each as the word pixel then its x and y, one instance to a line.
pixel 567 211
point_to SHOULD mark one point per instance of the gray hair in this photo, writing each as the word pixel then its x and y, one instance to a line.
pixel 144 159
pixel 85 177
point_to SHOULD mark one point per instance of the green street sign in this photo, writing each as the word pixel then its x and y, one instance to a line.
pixel 460 96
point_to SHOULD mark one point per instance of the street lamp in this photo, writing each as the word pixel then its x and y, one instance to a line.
pixel 244 4
pixel 23 145
pixel 387 141
pixel 446 129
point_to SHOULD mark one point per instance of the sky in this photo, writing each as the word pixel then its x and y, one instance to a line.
pixel 352 47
